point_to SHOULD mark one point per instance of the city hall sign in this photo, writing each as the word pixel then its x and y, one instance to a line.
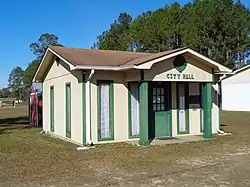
pixel 180 76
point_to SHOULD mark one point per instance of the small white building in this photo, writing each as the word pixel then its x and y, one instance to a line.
pixel 236 90
pixel 113 96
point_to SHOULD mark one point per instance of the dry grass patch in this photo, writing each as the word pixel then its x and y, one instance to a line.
pixel 30 158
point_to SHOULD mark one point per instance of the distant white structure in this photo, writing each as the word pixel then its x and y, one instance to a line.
pixel 236 91
pixel 18 101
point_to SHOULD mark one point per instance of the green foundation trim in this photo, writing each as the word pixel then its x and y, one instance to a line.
pixel 207 103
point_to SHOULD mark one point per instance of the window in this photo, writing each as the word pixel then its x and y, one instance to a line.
pixel 133 100
pixel 51 108
pixel 68 110
pixel 194 95
pixel 183 109
pixel 158 99
pixel 105 110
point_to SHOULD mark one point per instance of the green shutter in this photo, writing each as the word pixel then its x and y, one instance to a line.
pixel 52 109
pixel 68 110
pixel 83 108
pixel 111 109
pixel 129 111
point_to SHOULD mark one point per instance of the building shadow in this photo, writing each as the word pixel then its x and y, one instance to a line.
pixel 7 125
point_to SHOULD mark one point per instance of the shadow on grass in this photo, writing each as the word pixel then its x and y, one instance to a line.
pixel 223 125
pixel 16 123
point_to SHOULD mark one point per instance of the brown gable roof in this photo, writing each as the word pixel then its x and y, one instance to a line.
pixel 92 57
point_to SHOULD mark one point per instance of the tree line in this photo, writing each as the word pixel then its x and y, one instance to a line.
pixel 218 29
pixel 20 80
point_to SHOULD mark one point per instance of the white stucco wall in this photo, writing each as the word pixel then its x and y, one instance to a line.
pixel 195 112
pixel 215 107
pixel 236 92
pixel 58 76
pixel 160 71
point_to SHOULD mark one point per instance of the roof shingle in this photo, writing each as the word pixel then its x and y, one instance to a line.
pixel 92 57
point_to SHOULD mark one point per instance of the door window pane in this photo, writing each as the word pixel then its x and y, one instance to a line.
pixel 158 98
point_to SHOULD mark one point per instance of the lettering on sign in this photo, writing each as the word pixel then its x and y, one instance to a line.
pixel 180 76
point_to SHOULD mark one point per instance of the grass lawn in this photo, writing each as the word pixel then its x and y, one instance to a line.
pixel 28 158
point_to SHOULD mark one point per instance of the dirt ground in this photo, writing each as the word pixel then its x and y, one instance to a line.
pixel 29 158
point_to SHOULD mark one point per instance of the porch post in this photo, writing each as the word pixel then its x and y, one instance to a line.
pixel 143 98
pixel 207 103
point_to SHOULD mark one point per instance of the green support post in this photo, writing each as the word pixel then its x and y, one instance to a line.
pixel 207 103
pixel 143 89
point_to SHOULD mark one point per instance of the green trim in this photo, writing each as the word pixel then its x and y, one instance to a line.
pixel 68 109
pixel 186 90
pixel 52 109
pixel 143 97
pixel 111 109
pixel 83 108
pixel 207 110
pixel 130 111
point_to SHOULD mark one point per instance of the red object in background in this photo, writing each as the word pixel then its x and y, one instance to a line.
pixel 40 111
pixel 35 108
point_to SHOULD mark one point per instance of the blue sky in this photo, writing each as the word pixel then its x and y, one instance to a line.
pixel 75 22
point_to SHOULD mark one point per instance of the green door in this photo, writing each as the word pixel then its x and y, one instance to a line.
pixel 161 109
